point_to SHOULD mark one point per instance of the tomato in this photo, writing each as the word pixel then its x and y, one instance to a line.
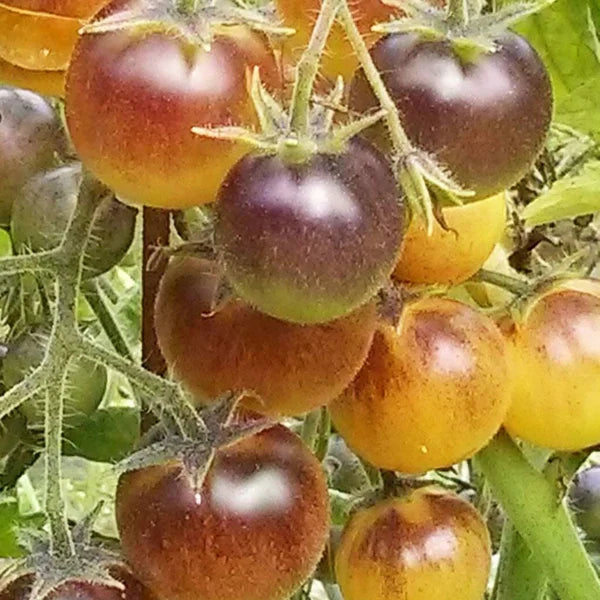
pixel 433 391
pixel 452 256
pixel 255 530
pixel 132 100
pixel 30 137
pixel 48 83
pixel 85 384
pixel 429 545
pixel 339 57
pixel 293 368
pixel 41 34
pixel 80 590
pixel 310 242
pixel 43 208
pixel 584 500
pixel 485 119
pixel 555 354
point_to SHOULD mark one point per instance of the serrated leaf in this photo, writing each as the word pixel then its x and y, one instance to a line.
pixel 566 37
pixel 568 198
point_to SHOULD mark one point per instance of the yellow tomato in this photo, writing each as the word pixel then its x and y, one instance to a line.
pixel 455 255
pixel 47 83
pixel 555 356
pixel 430 545
pixel 433 391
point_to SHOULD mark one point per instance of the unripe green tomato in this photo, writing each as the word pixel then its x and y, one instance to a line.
pixel 85 384
pixel 43 208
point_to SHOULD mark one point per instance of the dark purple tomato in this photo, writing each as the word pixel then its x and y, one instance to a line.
pixel 83 590
pixel 30 136
pixel 584 499
pixel 310 242
pixel 42 210
pixel 485 119
pixel 254 530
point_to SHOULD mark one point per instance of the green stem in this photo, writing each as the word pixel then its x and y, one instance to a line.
pixel 95 299
pixel 310 428
pixel 400 141
pixel 187 7
pixel 458 12
pixel 529 501
pixel 515 286
pixel 308 67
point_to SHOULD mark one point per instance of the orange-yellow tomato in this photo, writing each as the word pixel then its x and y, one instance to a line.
pixel 293 368
pixel 339 58
pixel 41 35
pixel 433 391
pixel 455 255
pixel 429 545
pixel 555 357
pixel 47 83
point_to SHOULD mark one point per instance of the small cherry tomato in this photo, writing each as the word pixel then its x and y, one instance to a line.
pixel 485 118
pixel 433 391
pixel 452 256
pixel 555 354
pixel 133 98
pixel 293 368
pixel 429 545
pixel 31 135
pixel 254 530
pixel 584 500
pixel 310 242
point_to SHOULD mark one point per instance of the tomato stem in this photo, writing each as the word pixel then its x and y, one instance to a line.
pixel 308 67
pixel 188 7
pixel 458 12
pixel 515 286
pixel 530 502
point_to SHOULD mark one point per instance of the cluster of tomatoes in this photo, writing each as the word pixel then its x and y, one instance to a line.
pixel 305 248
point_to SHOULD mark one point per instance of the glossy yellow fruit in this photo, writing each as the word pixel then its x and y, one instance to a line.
pixel 455 255
pixel 433 391
pixel 555 356
pixel 430 545
pixel 47 83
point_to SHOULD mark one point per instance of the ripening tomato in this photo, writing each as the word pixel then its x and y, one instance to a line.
pixel 428 545
pixel 47 83
pixel 452 256
pixel 485 118
pixel 31 136
pixel 133 98
pixel 555 354
pixel 40 34
pixel 339 57
pixel 433 391
pixel 255 529
pixel 293 368
pixel 80 590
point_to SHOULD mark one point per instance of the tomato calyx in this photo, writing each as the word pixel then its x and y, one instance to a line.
pixel 197 27
pixel 51 567
pixel 462 23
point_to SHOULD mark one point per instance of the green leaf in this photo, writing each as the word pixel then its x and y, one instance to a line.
pixel 5 243
pixel 108 435
pixel 568 198
pixel 9 521
pixel 566 37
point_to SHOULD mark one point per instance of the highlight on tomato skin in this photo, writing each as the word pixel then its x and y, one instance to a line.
pixel 145 149
pixel 433 391
pixel 454 255
pixel 259 523
pixel 555 355
pixel 293 368
pixel 428 545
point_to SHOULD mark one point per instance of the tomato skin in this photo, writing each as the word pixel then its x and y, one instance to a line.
pixel 257 532
pixel 47 83
pixel 430 545
pixel 556 365
pixel 433 391
pixel 30 137
pixel 78 9
pixel 310 242
pixel 144 149
pixel 42 210
pixel 584 500
pixel 485 121
pixel 85 386
pixel 455 255
pixel 294 368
